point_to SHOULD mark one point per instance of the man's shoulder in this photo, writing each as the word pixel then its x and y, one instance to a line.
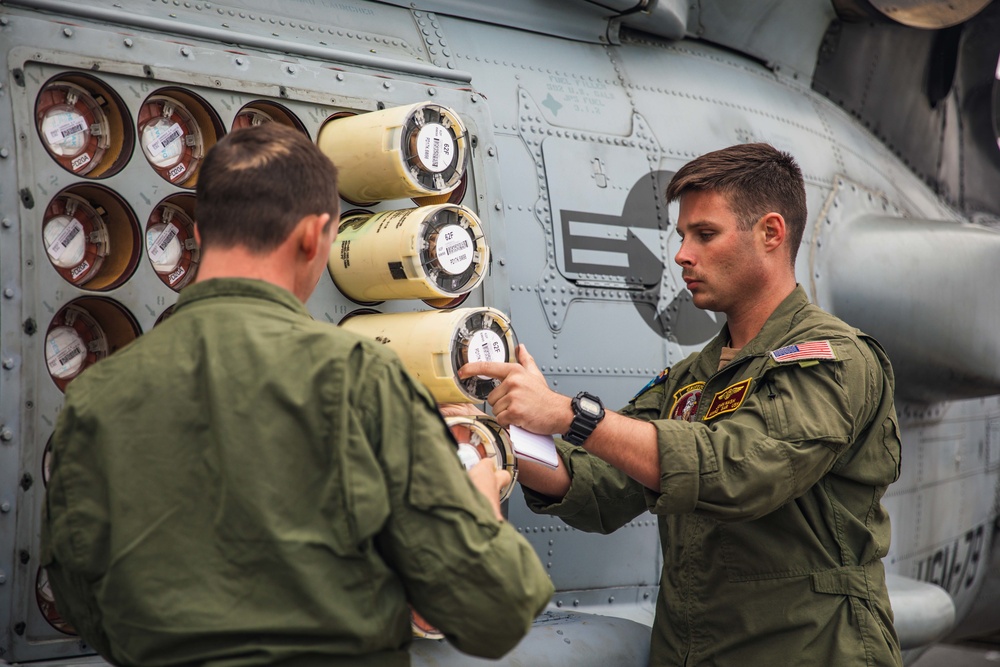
pixel 337 342
pixel 812 322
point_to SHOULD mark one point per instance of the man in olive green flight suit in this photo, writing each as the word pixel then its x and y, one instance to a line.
pixel 244 485
pixel 764 456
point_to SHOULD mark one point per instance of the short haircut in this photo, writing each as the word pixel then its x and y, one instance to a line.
pixel 756 179
pixel 257 183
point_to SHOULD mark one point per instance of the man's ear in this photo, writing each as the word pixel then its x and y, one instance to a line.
pixel 311 234
pixel 774 230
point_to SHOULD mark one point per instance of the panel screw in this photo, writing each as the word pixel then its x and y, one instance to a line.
pixel 340 76
pixel 128 42
pixel 4 507
pixel 491 151
pixel 3 578
pixel 6 435
pixel 185 51
pixel 6 223
pixel 386 85
pixel 240 61
pixel 8 363
pixel 431 92
pixel 9 293
pixel 68 32
pixel 4 153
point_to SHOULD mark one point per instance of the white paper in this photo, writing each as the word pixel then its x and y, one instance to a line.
pixel 539 448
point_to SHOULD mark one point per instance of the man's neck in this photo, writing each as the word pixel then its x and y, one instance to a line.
pixel 240 262
pixel 748 318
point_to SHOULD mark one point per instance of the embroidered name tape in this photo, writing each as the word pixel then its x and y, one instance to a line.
pixel 728 399
pixel 819 349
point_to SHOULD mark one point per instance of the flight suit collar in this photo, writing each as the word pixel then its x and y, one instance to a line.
pixel 778 325
pixel 245 288
pixel 775 329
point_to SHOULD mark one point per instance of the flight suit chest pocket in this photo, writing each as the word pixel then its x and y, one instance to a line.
pixel 773 406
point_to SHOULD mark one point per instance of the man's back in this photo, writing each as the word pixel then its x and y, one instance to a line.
pixel 244 485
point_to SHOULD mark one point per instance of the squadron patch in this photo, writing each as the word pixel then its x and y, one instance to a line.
pixel 659 379
pixel 728 399
pixel 685 404
pixel 819 349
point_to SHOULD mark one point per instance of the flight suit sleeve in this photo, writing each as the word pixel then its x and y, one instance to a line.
pixel 600 499
pixel 74 525
pixel 785 436
pixel 471 576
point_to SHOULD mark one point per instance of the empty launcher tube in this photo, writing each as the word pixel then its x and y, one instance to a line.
pixel 434 344
pixel 418 150
pixel 430 252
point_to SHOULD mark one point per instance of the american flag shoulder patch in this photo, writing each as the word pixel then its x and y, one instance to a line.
pixel 818 349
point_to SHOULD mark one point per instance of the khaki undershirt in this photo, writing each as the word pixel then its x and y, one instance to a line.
pixel 728 354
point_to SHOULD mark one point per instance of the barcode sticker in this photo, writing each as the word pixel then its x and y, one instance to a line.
pixel 454 251
pixel 65 238
pixel 161 142
pixel 59 133
pixel 484 345
pixel 435 149
pixel 160 243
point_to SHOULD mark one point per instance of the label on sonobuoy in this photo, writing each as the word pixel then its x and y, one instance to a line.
pixel 164 247
pixel 434 147
pixel 65 241
pixel 66 132
pixel 454 249
pixel 484 345
pixel 65 352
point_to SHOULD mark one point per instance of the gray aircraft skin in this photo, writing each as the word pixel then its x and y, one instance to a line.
pixel 577 112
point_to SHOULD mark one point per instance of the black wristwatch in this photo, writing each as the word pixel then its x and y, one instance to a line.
pixel 588 411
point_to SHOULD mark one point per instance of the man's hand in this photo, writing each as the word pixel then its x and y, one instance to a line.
pixel 523 397
pixel 489 481
pixel 460 410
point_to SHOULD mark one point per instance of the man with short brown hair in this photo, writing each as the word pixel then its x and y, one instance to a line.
pixel 764 456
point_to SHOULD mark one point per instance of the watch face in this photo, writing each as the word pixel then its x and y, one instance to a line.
pixel 589 406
